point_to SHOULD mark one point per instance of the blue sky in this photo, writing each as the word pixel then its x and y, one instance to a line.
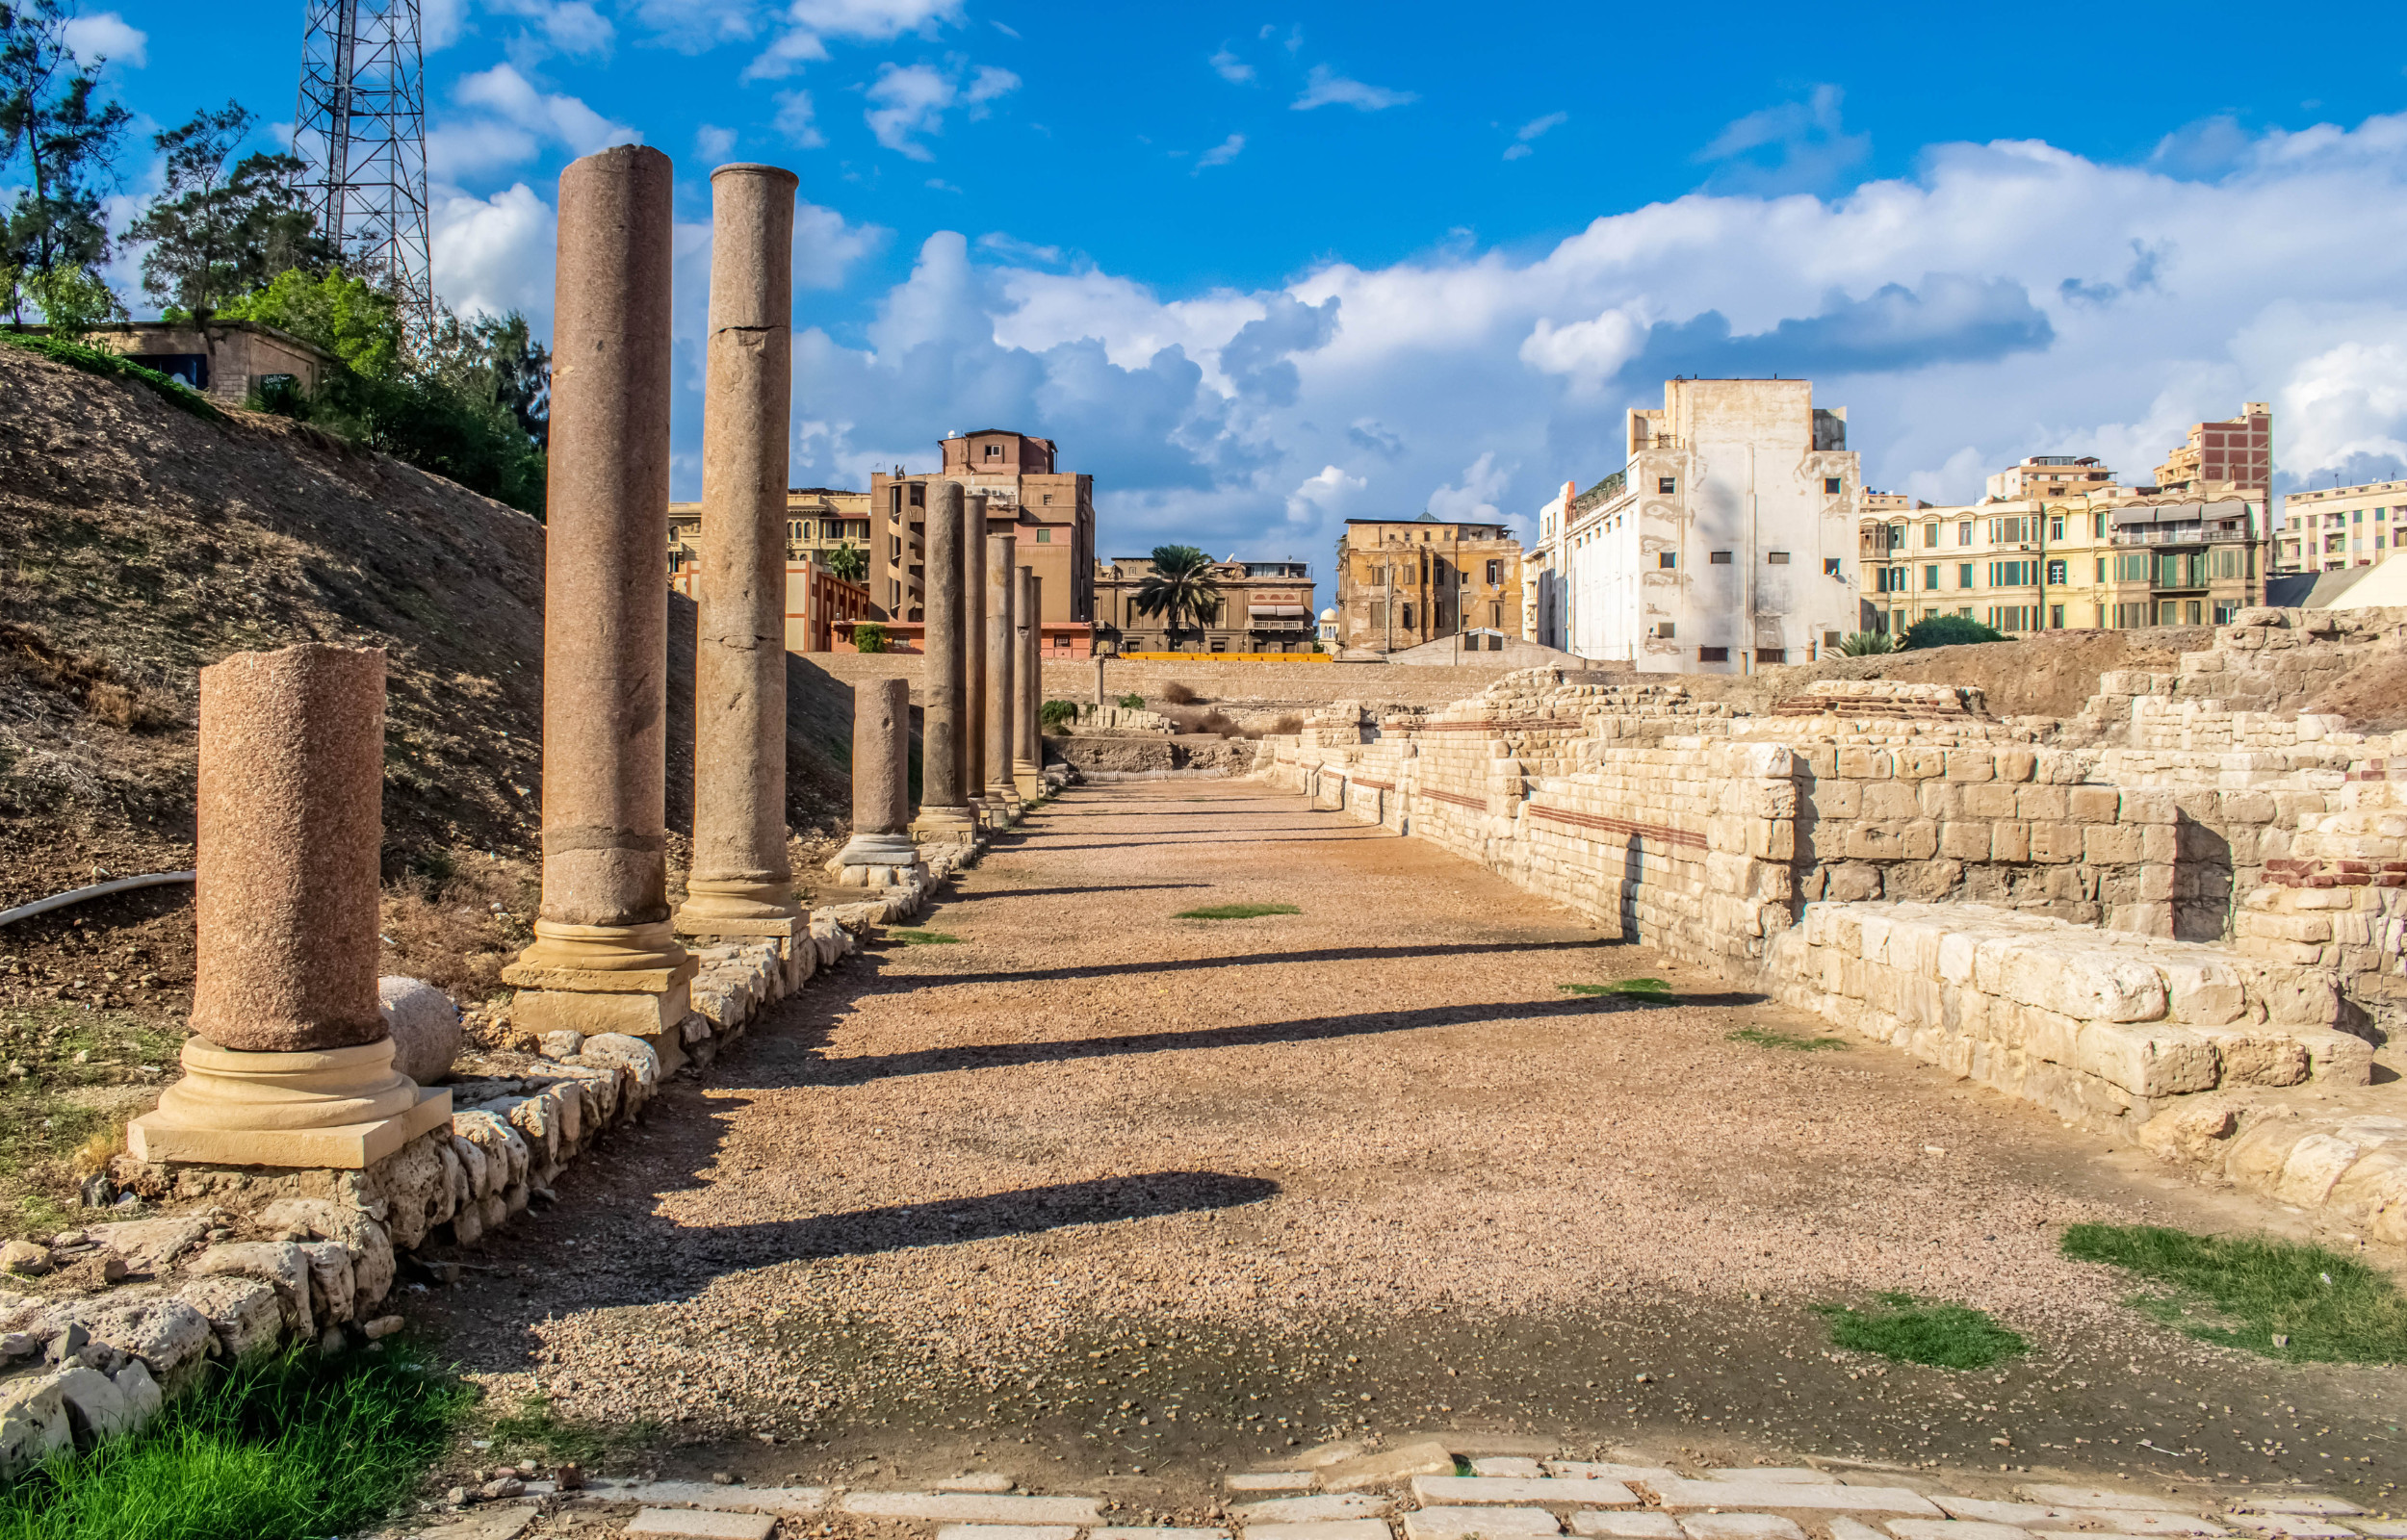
pixel 1261 270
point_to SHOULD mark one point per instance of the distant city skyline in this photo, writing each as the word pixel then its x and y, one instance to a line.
pixel 1260 273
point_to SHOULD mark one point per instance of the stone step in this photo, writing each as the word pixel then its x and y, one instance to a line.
pixel 1326 1505
pixel 1463 1524
pixel 1681 1496
pixel 1544 1491
pixel 700 1523
pixel 972 1507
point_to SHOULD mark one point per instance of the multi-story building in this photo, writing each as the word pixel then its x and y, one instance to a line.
pixel 1265 606
pixel 2234 457
pixel 2051 476
pixel 1721 545
pixel 1050 510
pixel 819 522
pixel 2043 563
pixel 1889 503
pixel 2329 528
pixel 1405 581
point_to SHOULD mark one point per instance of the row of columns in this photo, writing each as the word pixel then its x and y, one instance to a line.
pixel 291 1063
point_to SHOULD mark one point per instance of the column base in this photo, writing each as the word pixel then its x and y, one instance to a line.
pixel 1003 797
pixel 943 826
pixel 338 1108
pixel 791 932
pixel 1028 782
pixel 606 978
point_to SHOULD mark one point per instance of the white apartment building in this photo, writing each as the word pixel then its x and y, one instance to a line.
pixel 2330 528
pixel 1725 543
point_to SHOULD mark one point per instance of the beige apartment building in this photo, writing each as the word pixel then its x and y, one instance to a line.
pixel 819 522
pixel 1405 581
pixel 1265 606
pixel 1027 494
pixel 2330 528
pixel 2107 557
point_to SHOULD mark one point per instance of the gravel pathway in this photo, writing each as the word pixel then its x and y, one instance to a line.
pixel 1098 1191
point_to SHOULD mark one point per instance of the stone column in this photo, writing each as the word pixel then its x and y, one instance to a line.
pixel 603 957
pixel 943 800
pixel 740 885
pixel 1101 699
pixel 1028 763
pixel 880 853
pixel 1002 699
pixel 973 654
pixel 290 1062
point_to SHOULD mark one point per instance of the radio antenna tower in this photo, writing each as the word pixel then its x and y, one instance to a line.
pixel 361 130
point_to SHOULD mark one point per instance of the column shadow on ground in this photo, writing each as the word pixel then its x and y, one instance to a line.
pixel 1189 964
pixel 964 896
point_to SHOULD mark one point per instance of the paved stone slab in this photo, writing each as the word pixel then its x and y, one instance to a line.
pixel 780 1500
pixel 486 1524
pixel 2306 1502
pixel 2098 1496
pixel 1506 1465
pixel 1843 1528
pixel 1008 1531
pixel 2022 1514
pixel 1386 1467
pixel 1158 1532
pixel 1541 1490
pixel 1770 1472
pixel 1272 1480
pixel 1955 1529
pixel 972 1507
pixel 1682 1495
pixel 1605 1470
pixel 2298 1527
pixel 977 1481
pixel 1629 1523
pixel 1309 1511
pixel 2381 1528
pixel 702 1524
pixel 1740 1527
pixel 1325 1529
pixel 1464 1524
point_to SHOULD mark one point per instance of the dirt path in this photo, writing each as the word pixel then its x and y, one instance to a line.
pixel 1097 1191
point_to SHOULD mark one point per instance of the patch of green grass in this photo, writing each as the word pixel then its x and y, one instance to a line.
pixel 43 1120
pixel 924 937
pixel 1635 989
pixel 1915 1331
pixel 289 1445
pixel 2279 1299
pixel 536 1428
pixel 1773 1038
pixel 1238 911
pixel 100 360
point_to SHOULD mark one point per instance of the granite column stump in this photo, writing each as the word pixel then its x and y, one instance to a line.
pixel 880 854
pixel 1027 762
pixel 290 1062
pixel 605 958
pixel 741 887
pixel 973 658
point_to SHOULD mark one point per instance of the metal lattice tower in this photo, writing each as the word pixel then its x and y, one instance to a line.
pixel 361 129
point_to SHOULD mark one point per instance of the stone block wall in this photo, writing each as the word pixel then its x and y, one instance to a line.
pixel 2101 1028
pixel 2337 899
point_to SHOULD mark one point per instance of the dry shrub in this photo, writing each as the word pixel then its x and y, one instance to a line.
pixel 447 931
pixel 1178 694
pixel 1287 722
pixel 28 655
pixel 1217 722
pixel 1182 719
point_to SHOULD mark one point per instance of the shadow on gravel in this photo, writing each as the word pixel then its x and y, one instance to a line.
pixel 1367 830
pixel 960 897
pixel 1326 954
pixel 858 1070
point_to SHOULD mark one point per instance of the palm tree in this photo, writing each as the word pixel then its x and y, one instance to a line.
pixel 1180 585
pixel 848 562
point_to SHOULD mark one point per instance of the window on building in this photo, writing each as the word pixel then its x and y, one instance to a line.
pixel 1495 574
pixel 1048 499
pixel 1666 560
pixel 1931 576
pixel 1664 630
pixel 1776 559
pixel 1219 644
pixel 1831 484
pixel 918 494
pixel 2097 526
pixel 2357 516
pixel 994 452
pixel 1964 575
pixel 1044 535
pixel 2102 561
pixel 2012 574
pixel 2226 611
pixel 1771 655
pixel 1719 558
pixel 1830 566
pixel 1713 654
pixel 1964 534
pixel 2056 617
pixel 2056 572
pixel 2055 527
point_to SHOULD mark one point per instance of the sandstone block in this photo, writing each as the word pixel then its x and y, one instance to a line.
pixel 2110 844
pixel 1682 1495
pixel 1544 1491
pixel 1383 1468
pixel 241 1311
pixel 2146 1063
pixel 2056 842
pixel 1971 765
pixel 1464 1523
pixel 280 1264
pixel 1642 1524
pixel 972 1507
pixel 2092 805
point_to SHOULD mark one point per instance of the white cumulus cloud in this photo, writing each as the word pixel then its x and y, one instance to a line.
pixel 106 35
pixel 909 101
pixel 1222 153
pixel 1324 86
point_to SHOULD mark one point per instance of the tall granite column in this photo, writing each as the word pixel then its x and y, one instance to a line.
pixel 944 800
pixel 880 853
pixel 1028 763
pixel 974 653
pixel 289 1063
pixel 1002 701
pixel 603 957
pixel 740 885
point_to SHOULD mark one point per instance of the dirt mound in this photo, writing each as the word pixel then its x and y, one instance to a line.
pixel 2374 695
pixel 2049 674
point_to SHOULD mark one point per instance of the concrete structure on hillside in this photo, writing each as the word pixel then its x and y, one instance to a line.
pixel 2332 529
pixel 1723 544
pixel 290 1062
pixel 1048 510
pixel 1265 606
pixel 228 361
pixel 1405 581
